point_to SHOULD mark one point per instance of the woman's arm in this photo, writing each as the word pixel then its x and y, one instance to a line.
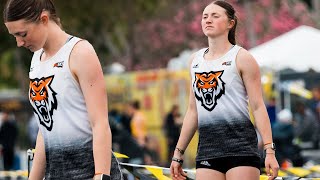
pixel 189 127
pixel 39 160
pixel 190 121
pixel 250 73
pixel 85 66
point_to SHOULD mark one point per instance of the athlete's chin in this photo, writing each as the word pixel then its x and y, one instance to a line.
pixel 210 34
pixel 32 49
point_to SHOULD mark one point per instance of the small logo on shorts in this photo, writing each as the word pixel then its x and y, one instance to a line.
pixel 205 163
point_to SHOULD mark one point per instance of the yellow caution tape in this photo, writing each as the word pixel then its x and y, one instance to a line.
pixel 264 177
pixel 300 172
pixel 13 173
pixel 119 155
pixel 315 168
pixel 157 172
pixel 282 173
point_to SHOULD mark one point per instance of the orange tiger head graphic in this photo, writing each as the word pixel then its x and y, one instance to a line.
pixel 208 88
pixel 43 100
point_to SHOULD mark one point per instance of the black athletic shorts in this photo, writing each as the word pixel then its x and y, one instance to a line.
pixel 224 164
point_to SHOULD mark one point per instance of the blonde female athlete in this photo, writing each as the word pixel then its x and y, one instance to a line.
pixel 68 96
pixel 224 77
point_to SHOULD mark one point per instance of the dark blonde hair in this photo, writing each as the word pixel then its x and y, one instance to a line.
pixel 231 13
pixel 29 10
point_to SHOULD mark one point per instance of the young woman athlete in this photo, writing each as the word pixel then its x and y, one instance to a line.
pixel 68 95
pixel 224 78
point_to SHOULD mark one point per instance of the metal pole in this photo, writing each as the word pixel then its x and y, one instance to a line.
pixel 30 158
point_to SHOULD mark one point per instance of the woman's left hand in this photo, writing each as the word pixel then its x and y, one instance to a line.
pixel 272 166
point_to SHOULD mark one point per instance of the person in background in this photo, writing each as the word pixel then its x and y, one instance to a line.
pixel 137 123
pixel 305 124
pixel 172 127
pixel 68 94
pixel 124 143
pixel 8 138
pixel 224 77
pixel 271 109
pixel 315 104
pixel 152 151
pixel 126 119
pixel 32 130
pixel 283 135
pixel 315 107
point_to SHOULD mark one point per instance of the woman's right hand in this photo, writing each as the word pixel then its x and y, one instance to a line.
pixel 176 170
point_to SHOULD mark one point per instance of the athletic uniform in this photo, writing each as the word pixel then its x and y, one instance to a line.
pixel 226 134
pixel 59 104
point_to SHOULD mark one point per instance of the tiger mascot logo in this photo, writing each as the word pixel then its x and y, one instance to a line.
pixel 43 100
pixel 208 88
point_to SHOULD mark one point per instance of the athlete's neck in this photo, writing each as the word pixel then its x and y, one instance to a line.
pixel 218 47
pixel 55 40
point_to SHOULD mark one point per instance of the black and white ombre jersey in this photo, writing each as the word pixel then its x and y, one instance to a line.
pixel 60 107
pixel 224 124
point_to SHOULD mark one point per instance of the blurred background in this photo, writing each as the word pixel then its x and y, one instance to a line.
pixel 144 48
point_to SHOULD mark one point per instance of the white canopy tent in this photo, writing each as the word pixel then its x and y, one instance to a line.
pixel 298 49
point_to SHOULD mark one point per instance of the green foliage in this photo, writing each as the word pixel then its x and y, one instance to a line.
pixel 146 33
pixel 7 66
pixel 107 25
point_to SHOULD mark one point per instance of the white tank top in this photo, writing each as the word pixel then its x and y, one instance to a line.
pixel 57 99
pixel 224 125
pixel 59 104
